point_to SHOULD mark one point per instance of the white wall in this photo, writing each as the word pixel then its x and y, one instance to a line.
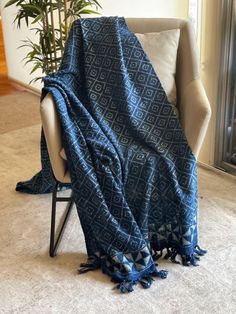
pixel 127 8
pixel 145 8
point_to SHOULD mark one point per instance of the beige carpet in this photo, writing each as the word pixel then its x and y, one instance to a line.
pixel 32 282
pixel 18 110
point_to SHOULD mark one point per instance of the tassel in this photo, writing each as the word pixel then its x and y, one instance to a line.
pixel 193 260
pixel 121 287
pixel 156 256
pixel 184 261
pixel 189 260
pixel 125 286
pixel 172 253
pixel 84 268
pixel 173 256
pixel 161 274
pixel 130 287
pixel 146 281
pixel 92 264
pixel 197 257
pixel 200 251
pixel 168 254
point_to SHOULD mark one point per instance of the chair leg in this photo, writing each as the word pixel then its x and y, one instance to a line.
pixel 55 243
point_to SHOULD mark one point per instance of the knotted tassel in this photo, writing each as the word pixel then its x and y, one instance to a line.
pixel 84 268
pixel 185 262
pixel 146 281
pixel 156 255
pixel 161 274
pixel 197 257
pixel 125 286
pixel 200 251
pixel 121 286
pixel 173 256
pixel 130 287
pixel 91 264
pixel 172 253
pixel 189 260
pixel 168 254
pixel 193 260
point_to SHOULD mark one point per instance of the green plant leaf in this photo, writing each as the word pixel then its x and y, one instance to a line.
pixel 10 3
pixel 88 11
pixel 36 67
pixel 27 20
pixel 38 18
pixel 32 8
pixel 36 79
pixel 96 2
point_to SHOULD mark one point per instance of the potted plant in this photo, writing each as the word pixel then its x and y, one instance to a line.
pixel 51 21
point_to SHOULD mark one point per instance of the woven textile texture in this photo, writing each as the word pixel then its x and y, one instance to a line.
pixel 133 173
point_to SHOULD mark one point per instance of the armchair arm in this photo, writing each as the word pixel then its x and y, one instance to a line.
pixel 195 113
pixel 52 132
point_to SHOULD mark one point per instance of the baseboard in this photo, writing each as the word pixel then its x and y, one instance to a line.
pixel 216 170
pixel 25 86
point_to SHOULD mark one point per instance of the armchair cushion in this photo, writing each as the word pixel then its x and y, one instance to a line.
pixel 161 49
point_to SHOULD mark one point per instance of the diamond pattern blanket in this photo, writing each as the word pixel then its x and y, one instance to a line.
pixel 133 173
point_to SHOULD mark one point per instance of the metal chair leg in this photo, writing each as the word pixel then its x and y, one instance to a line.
pixel 54 244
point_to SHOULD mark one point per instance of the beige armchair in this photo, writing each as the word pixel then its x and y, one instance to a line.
pixel 192 103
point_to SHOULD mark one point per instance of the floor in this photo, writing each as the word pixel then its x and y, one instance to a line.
pixel 19 109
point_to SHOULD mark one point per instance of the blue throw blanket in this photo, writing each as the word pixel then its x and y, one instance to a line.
pixel 133 173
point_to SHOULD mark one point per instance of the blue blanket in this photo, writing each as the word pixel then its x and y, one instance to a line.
pixel 133 173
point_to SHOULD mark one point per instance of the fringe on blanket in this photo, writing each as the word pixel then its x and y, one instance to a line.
pixel 145 278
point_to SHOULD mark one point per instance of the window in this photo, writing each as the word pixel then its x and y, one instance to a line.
pixel 226 124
